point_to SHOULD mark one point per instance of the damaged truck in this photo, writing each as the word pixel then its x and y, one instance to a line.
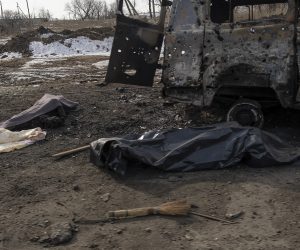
pixel 242 52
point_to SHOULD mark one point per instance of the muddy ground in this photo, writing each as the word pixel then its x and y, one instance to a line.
pixel 37 192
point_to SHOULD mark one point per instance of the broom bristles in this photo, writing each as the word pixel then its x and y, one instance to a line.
pixel 180 207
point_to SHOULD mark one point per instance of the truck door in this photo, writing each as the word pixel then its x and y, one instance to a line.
pixel 184 52
pixel 136 48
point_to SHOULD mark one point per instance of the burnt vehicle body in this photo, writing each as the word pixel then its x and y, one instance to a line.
pixel 243 52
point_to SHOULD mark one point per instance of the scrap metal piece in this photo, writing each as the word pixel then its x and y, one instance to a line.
pixel 136 49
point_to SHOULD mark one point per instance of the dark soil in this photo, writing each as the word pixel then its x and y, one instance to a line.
pixel 40 196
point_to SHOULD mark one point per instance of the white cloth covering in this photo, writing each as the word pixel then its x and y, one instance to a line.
pixel 11 141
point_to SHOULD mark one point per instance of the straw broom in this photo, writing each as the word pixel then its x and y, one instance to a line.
pixel 174 208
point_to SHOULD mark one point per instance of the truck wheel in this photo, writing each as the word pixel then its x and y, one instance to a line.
pixel 246 113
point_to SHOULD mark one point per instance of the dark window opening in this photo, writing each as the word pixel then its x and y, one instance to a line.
pixel 220 11
pixel 224 11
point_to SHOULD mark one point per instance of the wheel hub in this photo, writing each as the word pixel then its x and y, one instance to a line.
pixel 245 118
pixel 246 113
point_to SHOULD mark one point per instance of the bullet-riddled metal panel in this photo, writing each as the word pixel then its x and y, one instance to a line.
pixel 183 52
pixel 135 52
pixel 214 51
pixel 253 54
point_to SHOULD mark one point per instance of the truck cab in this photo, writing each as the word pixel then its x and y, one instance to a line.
pixel 242 52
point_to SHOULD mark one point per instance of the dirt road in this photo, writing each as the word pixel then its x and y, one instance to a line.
pixel 37 192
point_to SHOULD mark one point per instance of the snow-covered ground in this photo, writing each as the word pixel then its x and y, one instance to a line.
pixel 46 35
pixel 39 70
pixel 101 64
pixel 43 69
pixel 4 40
pixel 9 56
pixel 42 64
pixel 40 61
pixel 79 46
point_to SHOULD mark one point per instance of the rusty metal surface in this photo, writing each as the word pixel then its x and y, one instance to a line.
pixel 209 55
pixel 183 53
pixel 255 56
pixel 202 57
pixel 136 50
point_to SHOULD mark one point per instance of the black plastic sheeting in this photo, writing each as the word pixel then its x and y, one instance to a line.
pixel 191 149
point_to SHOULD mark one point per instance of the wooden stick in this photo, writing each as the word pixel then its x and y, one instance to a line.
pixel 212 218
pixel 72 151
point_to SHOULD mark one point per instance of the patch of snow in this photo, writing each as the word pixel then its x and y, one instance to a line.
pixel 23 78
pixel 72 47
pixel 40 61
pixel 41 69
pixel 46 35
pixel 101 64
pixel 4 41
pixel 9 56
pixel 42 74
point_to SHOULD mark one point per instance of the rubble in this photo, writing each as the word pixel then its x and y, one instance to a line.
pixel 58 234
pixel 236 215
pixel 105 197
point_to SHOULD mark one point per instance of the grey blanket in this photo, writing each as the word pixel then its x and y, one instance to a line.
pixel 43 106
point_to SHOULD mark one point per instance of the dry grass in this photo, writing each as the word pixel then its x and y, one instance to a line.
pixel 15 27
pixel 61 25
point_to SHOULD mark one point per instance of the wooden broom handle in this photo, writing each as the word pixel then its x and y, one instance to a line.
pixel 131 213
pixel 72 151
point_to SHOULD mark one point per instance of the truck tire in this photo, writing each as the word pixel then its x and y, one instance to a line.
pixel 246 113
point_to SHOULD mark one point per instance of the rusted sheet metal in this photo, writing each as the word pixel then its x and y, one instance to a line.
pixel 183 53
pixel 260 56
pixel 135 52
pixel 202 56
pixel 136 49
pixel 210 53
